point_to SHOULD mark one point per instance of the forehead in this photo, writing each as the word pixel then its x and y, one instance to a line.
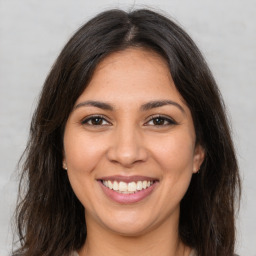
pixel 138 61
pixel 135 56
pixel 130 76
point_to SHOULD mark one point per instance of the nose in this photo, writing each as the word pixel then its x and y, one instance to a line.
pixel 127 147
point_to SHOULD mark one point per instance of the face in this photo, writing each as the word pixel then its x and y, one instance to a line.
pixel 129 145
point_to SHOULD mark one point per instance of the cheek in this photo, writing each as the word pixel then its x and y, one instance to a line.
pixel 81 155
pixel 175 153
pixel 82 152
pixel 175 156
pixel 176 160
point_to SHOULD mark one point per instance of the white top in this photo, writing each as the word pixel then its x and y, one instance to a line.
pixel 193 253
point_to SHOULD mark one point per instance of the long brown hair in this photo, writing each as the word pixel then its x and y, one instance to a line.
pixel 50 219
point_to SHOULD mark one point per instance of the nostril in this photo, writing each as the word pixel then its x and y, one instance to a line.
pixel 127 156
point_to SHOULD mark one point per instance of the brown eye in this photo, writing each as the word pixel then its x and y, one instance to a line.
pixel 160 121
pixel 95 121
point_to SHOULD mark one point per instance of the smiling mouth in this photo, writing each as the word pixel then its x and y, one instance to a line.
pixel 127 188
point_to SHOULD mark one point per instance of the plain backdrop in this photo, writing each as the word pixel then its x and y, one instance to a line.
pixel 32 33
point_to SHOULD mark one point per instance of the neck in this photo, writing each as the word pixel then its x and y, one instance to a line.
pixel 164 241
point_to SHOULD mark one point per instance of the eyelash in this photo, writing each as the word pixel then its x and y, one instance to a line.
pixel 91 118
pixel 167 121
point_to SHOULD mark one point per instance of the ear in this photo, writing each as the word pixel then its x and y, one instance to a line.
pixel 199 155
pixel 64 163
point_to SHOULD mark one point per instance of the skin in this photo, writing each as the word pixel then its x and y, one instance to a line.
pixel 129 141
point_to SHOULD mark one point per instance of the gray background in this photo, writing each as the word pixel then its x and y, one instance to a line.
pixel 33 32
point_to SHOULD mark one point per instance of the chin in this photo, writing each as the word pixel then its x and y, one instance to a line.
pixel 129 230
pixel 129 223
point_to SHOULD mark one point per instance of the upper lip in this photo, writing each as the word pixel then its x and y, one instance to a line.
pixel 127 179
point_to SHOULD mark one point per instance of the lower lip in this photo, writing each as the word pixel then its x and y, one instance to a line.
pixel 128 198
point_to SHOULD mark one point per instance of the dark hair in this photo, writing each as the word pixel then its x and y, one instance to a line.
pixel 49 216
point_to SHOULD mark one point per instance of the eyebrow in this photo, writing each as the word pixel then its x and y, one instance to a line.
pixel 160 103
pixel 144 107
pixel 97 104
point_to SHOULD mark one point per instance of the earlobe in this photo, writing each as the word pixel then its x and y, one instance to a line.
pixel 199 156
pixel 64 164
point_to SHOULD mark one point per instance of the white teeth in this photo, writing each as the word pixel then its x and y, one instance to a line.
pixel 132 186
pixel 115 186
pixel 127 188
pixel 109 184
pixel 122 186
pixel 139 185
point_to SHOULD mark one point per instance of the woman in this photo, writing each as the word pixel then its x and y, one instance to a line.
pixel 130 150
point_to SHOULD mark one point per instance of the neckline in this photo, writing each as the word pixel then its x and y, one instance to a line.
pixel 192 253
